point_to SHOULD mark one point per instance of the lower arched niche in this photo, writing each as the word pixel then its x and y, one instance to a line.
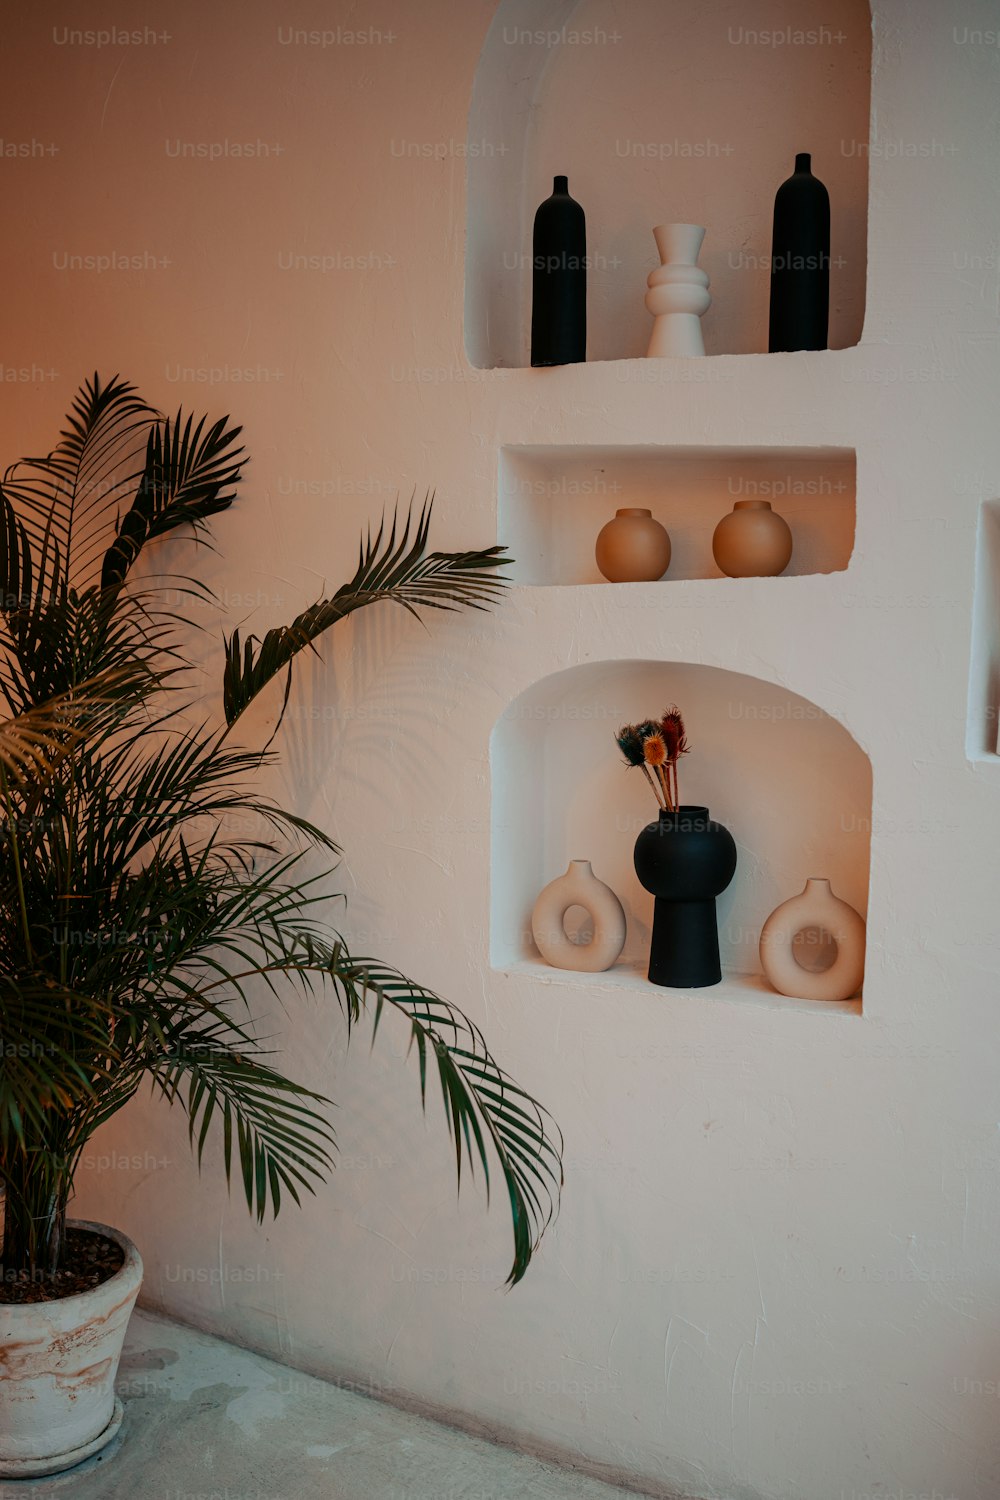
pixel 788 779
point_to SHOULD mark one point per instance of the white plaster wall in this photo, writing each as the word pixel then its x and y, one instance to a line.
pixel 775 1274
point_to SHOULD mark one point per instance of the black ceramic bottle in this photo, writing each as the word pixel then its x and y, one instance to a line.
pixel 685 860
pixel 559 280
pixel 800 262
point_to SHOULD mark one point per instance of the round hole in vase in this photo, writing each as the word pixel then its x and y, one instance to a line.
pixel 814 949
pixel 578 925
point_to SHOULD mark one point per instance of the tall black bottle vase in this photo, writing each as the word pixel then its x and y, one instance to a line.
pixel 800 262
pixel 685 860
pixel 559 280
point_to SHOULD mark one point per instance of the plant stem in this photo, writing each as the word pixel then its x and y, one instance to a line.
pixel 16 853
pixel 35 1200
pixel 653 784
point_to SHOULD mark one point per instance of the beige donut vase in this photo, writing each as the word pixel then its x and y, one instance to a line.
pixel 579 887
pixel 815 907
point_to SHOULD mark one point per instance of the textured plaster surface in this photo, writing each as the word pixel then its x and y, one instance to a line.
pixel 776 1270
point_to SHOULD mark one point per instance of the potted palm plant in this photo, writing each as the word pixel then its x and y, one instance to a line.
pixel 136 928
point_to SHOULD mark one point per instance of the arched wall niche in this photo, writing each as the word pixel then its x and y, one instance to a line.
pixel 660 111
pixel 788 779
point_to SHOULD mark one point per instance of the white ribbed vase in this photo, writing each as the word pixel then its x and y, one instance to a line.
pixel 579 887
pixel 678 293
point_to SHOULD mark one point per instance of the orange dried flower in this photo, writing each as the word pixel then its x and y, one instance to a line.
pixel 654 750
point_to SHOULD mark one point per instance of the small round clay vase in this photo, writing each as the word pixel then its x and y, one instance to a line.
pixel 753 541
pixel 579 887
pixel 633 548
pixel 823 921
pixel 686 860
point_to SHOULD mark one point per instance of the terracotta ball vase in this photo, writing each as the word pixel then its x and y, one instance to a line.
pixel 818 914
pixel 633 548
pixel 578 887
pixel 753 541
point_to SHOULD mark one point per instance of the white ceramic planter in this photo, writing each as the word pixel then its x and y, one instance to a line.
pixel 58 1362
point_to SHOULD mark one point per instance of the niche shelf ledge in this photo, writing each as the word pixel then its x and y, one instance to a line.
pixel 630 979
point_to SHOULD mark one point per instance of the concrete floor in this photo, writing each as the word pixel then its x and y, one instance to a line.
pixel 207 1421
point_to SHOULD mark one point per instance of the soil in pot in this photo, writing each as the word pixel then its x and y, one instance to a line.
pixel 89 1260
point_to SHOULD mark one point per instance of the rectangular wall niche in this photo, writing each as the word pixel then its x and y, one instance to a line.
pixel 984 672
pixel 553 501
pixel 668 111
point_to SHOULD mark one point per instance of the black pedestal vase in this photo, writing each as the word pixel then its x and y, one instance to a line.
pixel 800 262
pixel 685 860
pixel 559 280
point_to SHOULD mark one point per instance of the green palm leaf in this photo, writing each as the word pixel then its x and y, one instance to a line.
pixel 482 1103
pixel 36 744
pixel 16 561
pixel 57 1050
pixel 282 1143
pixel 188 476
pixel 64 500
pixel 389 568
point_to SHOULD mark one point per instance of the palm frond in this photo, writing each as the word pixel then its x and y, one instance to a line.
pixel 16 561
pixel 34 743
pixel 57 1053
pixel 488 1114
pixel 64 499
pixel 189 475
pixel 482 1103
pixel 390 567
pixel 282 1142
